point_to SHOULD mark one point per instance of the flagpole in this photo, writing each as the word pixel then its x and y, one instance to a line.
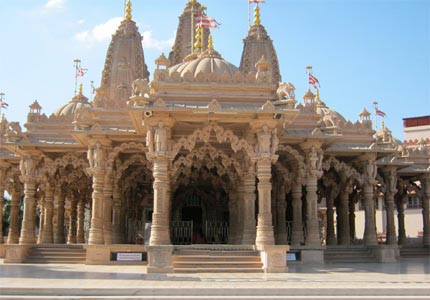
pixel 249 14
pixel 309 72
pixel 375 106
pixel 1 101
pixel 192 27
pixel 77 64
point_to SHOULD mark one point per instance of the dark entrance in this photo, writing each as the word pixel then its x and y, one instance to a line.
pixel 194 214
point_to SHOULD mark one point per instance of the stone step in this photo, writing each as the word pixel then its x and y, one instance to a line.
pixel 216 264
pixel 414 252
pixel 192 269
pixel 216 253
pixel 216 258
pixel 57 255
pixel 348 255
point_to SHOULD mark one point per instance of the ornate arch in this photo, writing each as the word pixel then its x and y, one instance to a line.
pixel 122 148
pixel 301 172
pixel 221 135
pixel 339 166
pixel 208 150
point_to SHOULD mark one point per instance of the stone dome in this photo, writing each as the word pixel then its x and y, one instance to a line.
pixel 329 116
pixel 208 62
pixel 69 109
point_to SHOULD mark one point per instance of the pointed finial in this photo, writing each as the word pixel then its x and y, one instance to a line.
pixel 2 118
pixel 127 14
pixel 383 124
pixel 318 96
pixel 257 20
pixel 80 89
pixel 192 2
pixel 198 43
pixel 210 42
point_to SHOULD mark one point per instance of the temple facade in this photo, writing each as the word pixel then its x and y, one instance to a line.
pixel 205 153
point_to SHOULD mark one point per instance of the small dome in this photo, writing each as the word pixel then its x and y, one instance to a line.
pixel 70 108
pixel 330 117
pixel 207 62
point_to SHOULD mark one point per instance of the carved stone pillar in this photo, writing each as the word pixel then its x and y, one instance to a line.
pixel 331 237
pixel 297 227
pixel 47 233
pixel 116 215
pixel 314 163
pixel 80 235
pixel 2 188
pixel 249 236
pixel 391 182
pixel 265 234
pixel 71 238
pixel 281 228
pixel 233 216
pixel 59 237
pixel 13 236
pixel 352 217
pixel 107 209
pixel 425 181
pixel 401 218
pixel 343 225
pixel 240 210
pixel 41 218
pixel 28 176
pixel 97 159
pixel 369 204
pixel 160 234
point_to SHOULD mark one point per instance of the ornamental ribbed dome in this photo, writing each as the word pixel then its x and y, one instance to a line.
pixel 208 62
pixel 69 109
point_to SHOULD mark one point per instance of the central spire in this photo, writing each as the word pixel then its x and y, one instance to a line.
pixel 128 10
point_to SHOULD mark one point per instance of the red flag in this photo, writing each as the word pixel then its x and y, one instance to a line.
pixel 256 1
pixel 314 81
pixel 3 104
pixel 379 113
pixel 80 72
pixel 206 21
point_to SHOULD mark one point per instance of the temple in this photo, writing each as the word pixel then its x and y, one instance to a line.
pixel 206 157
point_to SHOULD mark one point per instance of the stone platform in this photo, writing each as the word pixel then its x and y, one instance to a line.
pixel 409 279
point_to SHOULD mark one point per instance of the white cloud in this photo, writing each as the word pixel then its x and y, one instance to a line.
pixel 149 42
pixel 104 32
pixel 55 4
pixel 100 32
pixel 80 22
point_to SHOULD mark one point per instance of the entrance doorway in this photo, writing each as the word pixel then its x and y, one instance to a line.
pixel 195 215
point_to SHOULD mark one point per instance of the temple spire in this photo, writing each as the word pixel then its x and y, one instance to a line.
pixel 257 20
pixel 128 10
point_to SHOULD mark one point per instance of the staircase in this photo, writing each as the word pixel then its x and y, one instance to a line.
pixel 350 254
pixel 412 252
pixel 216 259
pixel 57 254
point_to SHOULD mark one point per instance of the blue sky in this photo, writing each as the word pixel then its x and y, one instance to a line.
pixel 361 50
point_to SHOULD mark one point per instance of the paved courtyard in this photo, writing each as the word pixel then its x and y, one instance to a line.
pixel 409 279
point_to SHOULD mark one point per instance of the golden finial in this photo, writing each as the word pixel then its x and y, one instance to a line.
pixel 128 15
pixel 318 96
pixel 2 118
pixel 383 124
pixel 210 42
pixel 80 89
pixel 198 43
pixel 257 20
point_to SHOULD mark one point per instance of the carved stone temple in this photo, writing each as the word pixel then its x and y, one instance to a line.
pixel 205 157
